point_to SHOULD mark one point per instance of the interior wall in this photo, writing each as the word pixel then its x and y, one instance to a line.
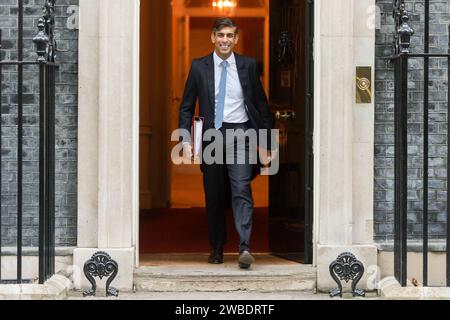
pixel 155 102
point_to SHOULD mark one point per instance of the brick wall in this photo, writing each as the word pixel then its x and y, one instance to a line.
pixel 66 125
pixel 384 125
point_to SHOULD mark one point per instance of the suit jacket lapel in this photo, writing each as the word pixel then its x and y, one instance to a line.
pixel 211 81
pixel 243 75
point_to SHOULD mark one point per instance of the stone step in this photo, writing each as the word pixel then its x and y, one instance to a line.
pixel 225 278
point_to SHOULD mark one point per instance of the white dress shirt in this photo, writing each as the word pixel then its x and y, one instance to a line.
pixel 234 110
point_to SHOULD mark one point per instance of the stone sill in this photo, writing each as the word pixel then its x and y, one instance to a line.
pixel 390 289
pixel 34 251
pixel 414 246
pixel 57 288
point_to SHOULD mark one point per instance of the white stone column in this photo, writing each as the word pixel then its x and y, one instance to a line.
pixel 88 89
pixel 344 138
pixel 364 126
pixel 111 121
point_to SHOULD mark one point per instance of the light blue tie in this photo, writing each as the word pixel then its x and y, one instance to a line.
pixel 221 97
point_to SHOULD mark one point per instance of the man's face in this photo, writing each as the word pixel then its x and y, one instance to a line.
pixel 225 40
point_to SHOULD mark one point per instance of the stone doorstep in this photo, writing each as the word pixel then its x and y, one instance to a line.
pixel 390 289
pixel 224 280
pixel 226 270
pixel 56 288
pixel 186 285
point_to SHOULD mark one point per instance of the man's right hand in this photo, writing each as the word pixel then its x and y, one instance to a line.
pixel 187 151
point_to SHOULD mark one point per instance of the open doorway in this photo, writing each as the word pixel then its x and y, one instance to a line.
pixel 172 205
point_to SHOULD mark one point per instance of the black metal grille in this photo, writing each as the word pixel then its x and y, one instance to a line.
pixel 45 68
pixel 400 59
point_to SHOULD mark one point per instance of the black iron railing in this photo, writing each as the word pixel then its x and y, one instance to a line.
pixel 45 68
pixel 400 59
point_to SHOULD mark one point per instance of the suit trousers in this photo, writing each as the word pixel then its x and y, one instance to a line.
pixel 238 174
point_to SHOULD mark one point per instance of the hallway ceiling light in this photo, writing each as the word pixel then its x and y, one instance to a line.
pixel 224 6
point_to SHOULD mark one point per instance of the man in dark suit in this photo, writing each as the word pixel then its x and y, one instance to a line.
pixel 231 97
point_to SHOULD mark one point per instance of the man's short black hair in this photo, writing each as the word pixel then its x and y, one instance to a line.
pixel 221 23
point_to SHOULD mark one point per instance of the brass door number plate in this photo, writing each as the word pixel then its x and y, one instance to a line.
pixel 363 84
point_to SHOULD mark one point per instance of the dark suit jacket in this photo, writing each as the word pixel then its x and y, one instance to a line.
pixel 201 85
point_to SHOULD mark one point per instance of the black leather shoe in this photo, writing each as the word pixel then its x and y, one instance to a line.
pixel 216 257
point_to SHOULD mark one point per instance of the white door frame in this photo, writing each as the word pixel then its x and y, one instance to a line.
pixel 316 140
pixel 89 167
pixel 343 133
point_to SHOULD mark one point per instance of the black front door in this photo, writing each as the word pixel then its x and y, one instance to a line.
pixel 290 199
